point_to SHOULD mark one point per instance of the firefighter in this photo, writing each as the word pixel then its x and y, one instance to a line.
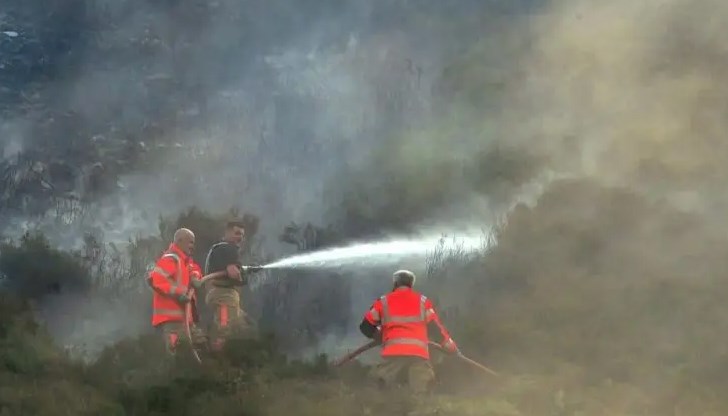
pixel 174 274
pixel 229 319
pixel 400 320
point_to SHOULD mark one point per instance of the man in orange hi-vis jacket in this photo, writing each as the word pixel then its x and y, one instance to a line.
pixel 400 321
pixel 172 278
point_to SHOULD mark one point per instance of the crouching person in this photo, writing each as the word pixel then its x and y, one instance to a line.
pixel 400 321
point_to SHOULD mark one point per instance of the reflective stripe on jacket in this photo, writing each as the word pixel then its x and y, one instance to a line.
pixel 403 316
pixel 169 280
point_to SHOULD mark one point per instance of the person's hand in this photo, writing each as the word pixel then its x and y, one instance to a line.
pixel 196 283
pixel 450 346
pixel 378 336
pixel 233 272
pixel 183 298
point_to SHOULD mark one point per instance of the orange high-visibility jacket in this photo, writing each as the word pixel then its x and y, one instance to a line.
pixel 404 315
pixel 170 279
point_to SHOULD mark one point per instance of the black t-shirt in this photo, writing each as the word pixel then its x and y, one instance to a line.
pixel 219 257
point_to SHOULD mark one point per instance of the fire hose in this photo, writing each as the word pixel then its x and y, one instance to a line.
pixel 192 291
pixel 350 356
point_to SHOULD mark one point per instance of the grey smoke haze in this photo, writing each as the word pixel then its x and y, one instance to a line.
pixel 317 114
pixel 627 93
pixel 266 105
pixel 272 102
pixel 624 93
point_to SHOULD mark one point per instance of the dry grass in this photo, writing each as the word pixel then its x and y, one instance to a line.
pixel 582 317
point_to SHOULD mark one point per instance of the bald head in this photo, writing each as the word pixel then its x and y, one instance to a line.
pixel 184 238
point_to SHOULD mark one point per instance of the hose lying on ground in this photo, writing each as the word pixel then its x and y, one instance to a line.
pixel 371 344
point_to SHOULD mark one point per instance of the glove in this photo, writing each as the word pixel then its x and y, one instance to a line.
pixel 450 346
pixel 196 283
pixel 183 299
pixel 378 336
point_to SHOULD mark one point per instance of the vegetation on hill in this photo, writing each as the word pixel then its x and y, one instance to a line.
pixel 602 298
pixel 594 302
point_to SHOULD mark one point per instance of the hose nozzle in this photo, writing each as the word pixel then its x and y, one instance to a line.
pixel 251 268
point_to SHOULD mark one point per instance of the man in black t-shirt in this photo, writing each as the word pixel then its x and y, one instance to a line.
pixel 222 296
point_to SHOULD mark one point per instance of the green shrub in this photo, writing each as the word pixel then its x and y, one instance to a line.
pixel 592 307
pixel 33 269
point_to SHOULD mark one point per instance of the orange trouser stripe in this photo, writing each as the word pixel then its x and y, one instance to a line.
pixel 223 315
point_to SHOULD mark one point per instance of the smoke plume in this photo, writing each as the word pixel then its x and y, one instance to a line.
pixel 387 118
pixel 625 94
pixel 122 111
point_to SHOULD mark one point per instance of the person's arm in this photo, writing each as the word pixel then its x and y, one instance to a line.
pixel 369 326
pixel 367 329
pixel 195 271
pixel 432 318
pixel 163 279
pixel 195 275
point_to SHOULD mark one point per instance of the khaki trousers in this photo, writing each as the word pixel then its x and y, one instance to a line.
pixel 229 319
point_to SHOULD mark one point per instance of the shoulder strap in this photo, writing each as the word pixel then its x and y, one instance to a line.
pixel 169 255
pixel 209 254
pixel 172 255
pixel 385 309
pixel 179 265
pixel 423 311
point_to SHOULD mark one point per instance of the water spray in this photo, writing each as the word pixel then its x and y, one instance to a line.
pixel 380 252
pixel 394 250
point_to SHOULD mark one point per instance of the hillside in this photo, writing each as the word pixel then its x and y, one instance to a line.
pixel 604 295
pixel 594 302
